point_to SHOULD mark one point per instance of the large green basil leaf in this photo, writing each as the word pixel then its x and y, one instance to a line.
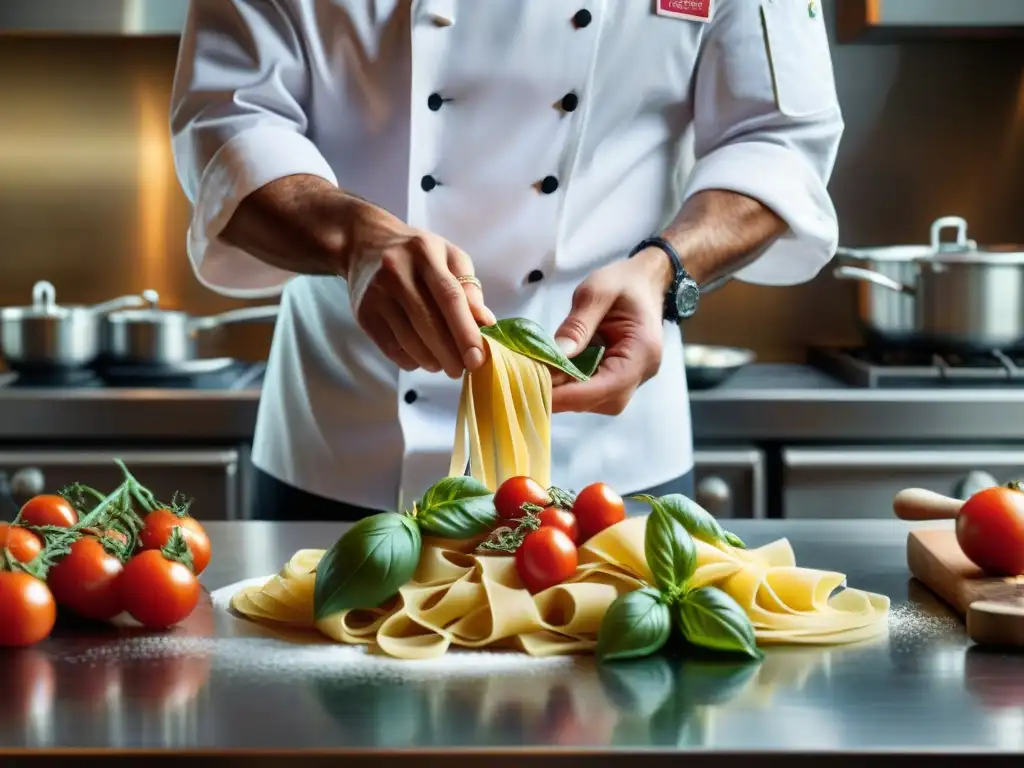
pixel 589 359
pixel 637 624
pixel 367 565
pixel 698 522
pixel 670 551
pixel 708 617
pixel 457 507
pixel 528 338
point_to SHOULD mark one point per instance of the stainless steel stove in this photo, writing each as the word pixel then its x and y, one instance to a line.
pixel 908 368
pixel 210 374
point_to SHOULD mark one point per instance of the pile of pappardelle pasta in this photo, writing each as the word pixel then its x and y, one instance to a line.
pixel 462 597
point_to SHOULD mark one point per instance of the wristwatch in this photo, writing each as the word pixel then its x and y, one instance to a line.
pixel 683 294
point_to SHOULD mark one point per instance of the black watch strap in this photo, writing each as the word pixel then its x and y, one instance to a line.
pixel 670 311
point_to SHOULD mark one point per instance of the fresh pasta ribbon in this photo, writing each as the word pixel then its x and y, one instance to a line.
pixel 505 407
pixel 465 600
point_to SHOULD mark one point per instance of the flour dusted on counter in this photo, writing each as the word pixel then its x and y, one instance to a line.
pixel 910 625
pixel 265 652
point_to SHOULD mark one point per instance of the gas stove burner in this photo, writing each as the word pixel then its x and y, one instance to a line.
pixel 43 379
pixel 201 374
pixel 895 368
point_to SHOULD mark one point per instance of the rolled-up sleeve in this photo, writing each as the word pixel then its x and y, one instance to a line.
pixel 238 123
pixel 767 124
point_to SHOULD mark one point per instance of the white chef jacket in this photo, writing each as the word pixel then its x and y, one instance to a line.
pixel 451 114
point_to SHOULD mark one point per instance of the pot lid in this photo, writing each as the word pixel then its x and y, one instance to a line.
pixel 991 255
pixel 44 304
pixel 940 243
pixel 149 314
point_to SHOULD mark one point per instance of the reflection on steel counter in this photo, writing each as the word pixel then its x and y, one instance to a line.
pixel 884 695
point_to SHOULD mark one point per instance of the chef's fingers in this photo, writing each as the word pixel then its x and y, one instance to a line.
pixel 396 318
pixel 452 301
pixel 381 334
pixel 590 303
pixel 427 321
pixel 559 379
pixel 462 266
pixel 608 391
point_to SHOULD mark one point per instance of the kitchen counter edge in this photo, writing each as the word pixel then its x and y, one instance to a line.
pixel 769 402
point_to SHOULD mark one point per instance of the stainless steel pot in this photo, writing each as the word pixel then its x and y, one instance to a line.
pixel 888 316
pixel 965 297
pixel 48 337
pixel 162 337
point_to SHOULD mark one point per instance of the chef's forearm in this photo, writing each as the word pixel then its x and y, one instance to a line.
pixel 302 224
pixel 717 232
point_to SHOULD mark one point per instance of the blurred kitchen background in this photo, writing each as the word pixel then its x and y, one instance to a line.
pixel 89 199
pixel 933 97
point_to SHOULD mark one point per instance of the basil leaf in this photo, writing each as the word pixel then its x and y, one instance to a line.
pixel 698 522
pixel 588 360
pixel 528 338
pixel 708 617
pixel 734 541
pixel 458 507
pixel 637 624
pixel 367 565
pixel 670 551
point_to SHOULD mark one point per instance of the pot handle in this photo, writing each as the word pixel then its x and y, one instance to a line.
pixel 851 253
pixel 951 222
pixel 44 295
pixel 243 315
pixel 121 302
pixel 875 278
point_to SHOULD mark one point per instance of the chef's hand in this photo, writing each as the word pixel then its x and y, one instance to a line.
pixel 405 295
pixel 622 304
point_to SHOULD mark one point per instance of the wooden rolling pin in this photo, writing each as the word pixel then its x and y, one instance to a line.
pixel 992 607
pixel 919 504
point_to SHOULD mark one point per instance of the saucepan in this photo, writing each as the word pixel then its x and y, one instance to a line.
pixel 166 338
pixel 962 296
pixel 49 337
pixel 708 366
pixel 887 316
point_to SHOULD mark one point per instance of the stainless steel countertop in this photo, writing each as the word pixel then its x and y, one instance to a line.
pixel 919 689
pixel 762 402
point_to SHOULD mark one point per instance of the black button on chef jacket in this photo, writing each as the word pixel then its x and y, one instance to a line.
pixel 582 18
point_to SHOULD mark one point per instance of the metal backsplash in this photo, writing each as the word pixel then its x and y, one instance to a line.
pixel 90 201
pixel 88 195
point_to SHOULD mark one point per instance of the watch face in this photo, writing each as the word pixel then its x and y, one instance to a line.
pixel 686 297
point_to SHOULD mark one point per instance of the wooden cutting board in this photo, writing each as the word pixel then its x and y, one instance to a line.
pixel 992 607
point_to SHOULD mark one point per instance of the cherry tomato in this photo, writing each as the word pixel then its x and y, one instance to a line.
pixel 85 580
pixel 27 609
pixel 546 557
pixel 110 533
pixel 517 491
pixel 156 532
pixel 990 530
pixel 157 592
pixel 597 507
pixel 559 518
pixel 22 543
pixel 113 533
pixel 49 509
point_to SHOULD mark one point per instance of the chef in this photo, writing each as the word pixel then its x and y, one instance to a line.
pixel 403 171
